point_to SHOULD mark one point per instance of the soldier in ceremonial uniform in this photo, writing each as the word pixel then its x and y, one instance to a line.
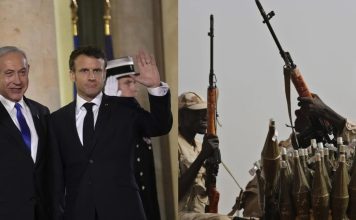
pixel 120 83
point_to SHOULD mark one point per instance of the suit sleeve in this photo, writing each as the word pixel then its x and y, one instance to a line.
pixel 159 120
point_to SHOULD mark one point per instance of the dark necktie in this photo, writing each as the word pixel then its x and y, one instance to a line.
pixel 88 125
pixel 25 130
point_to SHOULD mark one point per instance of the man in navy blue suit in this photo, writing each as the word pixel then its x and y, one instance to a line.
pixel 92 141
pixel 23 139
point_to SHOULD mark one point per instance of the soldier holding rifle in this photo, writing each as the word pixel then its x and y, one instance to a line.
pixel 192 119
pixel 199 163
pixel 314 118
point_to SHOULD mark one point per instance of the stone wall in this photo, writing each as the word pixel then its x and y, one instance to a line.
pixel 29 25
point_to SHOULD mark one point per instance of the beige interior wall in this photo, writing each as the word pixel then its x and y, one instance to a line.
pixel 29 25
pixel 132 29
pixel 170 48
pixel 64 35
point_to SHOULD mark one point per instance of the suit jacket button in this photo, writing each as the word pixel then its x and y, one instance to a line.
pixel 138 159
pixel 91 161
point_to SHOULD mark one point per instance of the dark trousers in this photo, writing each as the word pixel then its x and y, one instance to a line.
pixel 96 215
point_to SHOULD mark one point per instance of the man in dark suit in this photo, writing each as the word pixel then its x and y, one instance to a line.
pixel 93 139
pixel 23 132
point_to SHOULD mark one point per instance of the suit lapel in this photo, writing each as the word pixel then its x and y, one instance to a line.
pixel 11 129
pixel 73 123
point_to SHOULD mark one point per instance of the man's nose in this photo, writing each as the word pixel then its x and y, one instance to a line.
pixel 16 78
pixel 91 74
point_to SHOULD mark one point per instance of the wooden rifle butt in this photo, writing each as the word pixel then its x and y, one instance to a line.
pixel 299 83
pixel 211 110
pixel 214 197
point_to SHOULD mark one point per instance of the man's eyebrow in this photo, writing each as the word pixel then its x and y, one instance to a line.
pixel 9 70
pixel 23 68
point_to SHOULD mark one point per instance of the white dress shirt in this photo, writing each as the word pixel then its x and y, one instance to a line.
pixel 10 108
pixel 159 91
pixel 80 110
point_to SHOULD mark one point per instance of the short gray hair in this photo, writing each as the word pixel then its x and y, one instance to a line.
pixel 10 49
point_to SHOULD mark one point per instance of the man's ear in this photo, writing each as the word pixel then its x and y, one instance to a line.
pixel 72 75
pixel 104 74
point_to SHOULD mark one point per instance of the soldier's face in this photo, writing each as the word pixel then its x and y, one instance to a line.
pixel 196 120
pixel 128 87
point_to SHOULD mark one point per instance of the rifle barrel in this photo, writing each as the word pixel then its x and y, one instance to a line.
pixel 266 17
pixel 211 35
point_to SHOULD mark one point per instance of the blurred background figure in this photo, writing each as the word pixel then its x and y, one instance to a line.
pixel 120 83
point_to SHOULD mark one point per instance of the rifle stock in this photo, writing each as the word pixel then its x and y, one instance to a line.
pixel 299 83
pixel 211 111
